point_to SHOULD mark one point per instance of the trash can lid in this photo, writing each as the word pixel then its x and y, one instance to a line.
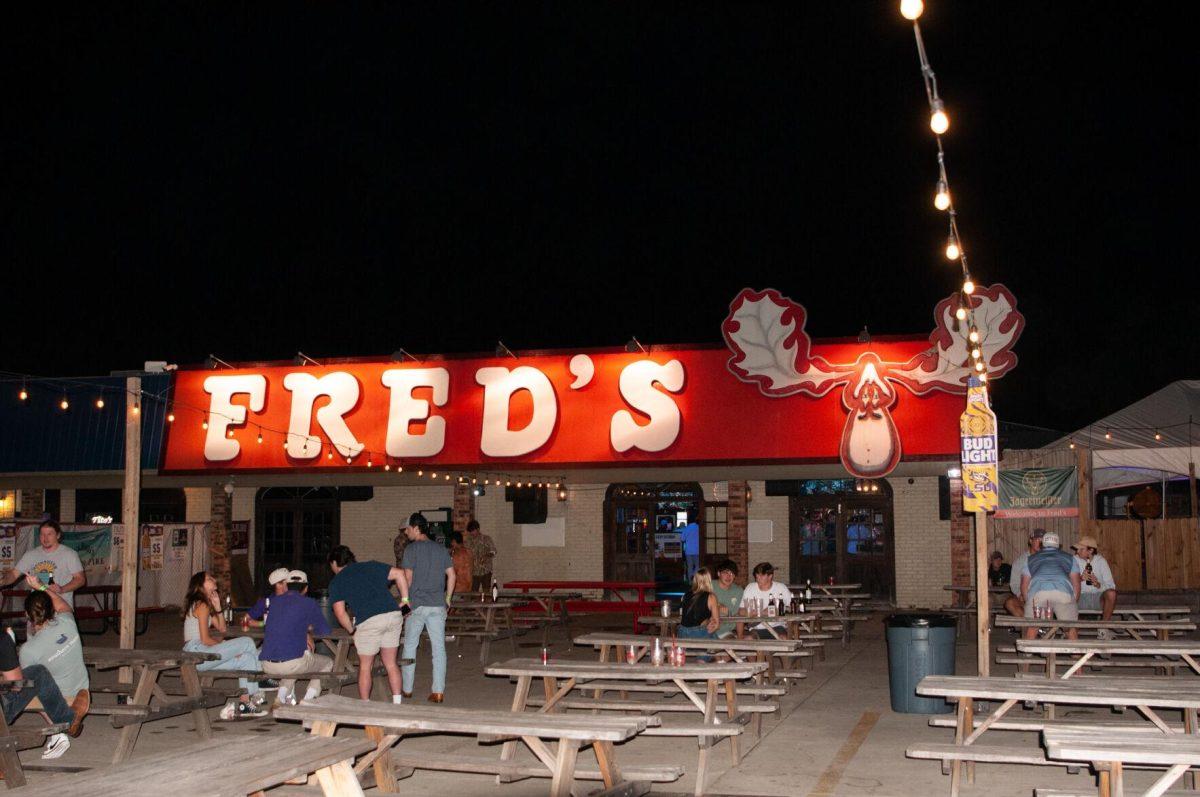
pixel 920 620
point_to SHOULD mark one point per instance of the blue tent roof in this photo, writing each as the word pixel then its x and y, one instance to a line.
pixel 37 436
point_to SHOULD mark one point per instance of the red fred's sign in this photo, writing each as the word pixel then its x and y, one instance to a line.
pixel 552 411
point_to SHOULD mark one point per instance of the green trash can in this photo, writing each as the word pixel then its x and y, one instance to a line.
pixel 919 644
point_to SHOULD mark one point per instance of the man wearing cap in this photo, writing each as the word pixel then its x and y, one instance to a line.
pixel 1015 604
pixel 1099 590
pixel 288 616
pixel 764 589
pixel 1050 582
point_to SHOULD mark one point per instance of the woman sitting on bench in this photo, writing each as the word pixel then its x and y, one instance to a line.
pixel 204 632
pixel 54 643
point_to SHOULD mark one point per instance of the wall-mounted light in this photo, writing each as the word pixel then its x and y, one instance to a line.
pixel 478 490
pixel 954 473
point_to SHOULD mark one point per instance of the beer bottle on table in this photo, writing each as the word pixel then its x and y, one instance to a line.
pixel 808 591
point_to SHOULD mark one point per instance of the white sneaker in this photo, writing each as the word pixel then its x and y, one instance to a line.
pixel 56 745
pixel 228 711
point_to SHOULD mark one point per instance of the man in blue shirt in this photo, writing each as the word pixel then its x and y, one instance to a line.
pixel 430 574
pixel 287 648
pixel 362 601
pixel 1050 582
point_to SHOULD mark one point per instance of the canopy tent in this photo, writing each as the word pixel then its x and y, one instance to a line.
pixel 1124 447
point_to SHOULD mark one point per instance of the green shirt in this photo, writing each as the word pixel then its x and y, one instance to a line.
pixel 57 648
pixel 729 599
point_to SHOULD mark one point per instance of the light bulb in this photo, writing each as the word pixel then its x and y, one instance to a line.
pixel 982 376
pixel 260 438
pixel 24 394
pixel 938 122
pixel 329 455
pixel 204 424
pixel 911 9
pixel 99 403
pixel 347 460
pixel 1072 445
pixel 941 200
pixel 952 250
pixel 229 434
pixel 170 417
pixel 973 336
pixel 1157 436
pixel 399 469
pixel 968 287
pixel 64 404
pixel 960 313
pixel 1108 435
pixel 978 365
pixel 137 409
pixel 387 466
pixel 975 353
pixel 370 464
pixel 420 473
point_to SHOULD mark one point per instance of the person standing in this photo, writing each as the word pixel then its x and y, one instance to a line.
pixel 764 589
pixel 483 548
pixel 1050 583
pixel 362 601
pixel 287 647
pixel 430 573
pixel 464 563
pixel 729 595
pixel 689 537
pixel 1098 591
pixel 56 565
pixel 1014 604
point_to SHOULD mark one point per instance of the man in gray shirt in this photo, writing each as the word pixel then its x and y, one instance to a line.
pixel 430 575
pixel 1013 604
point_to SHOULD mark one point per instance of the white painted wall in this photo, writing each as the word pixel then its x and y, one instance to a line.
pixel 922 543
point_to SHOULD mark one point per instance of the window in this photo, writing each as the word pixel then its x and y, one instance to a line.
pixel 716 528
pixel 864 532
pixel 157 505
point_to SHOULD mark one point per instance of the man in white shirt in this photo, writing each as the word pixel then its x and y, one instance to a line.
pixel 1013 603
pixel 1099 591
pixel 765 589
pixel 52 563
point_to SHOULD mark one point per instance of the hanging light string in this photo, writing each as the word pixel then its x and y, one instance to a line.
pixel 368 458
pixel 943 198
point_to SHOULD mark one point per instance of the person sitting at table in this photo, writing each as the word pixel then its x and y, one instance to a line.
pixel 764 589
pixel 1050 583
pixel 1098 592
pixel 464 562
pixel 999 571
pixel 287 644
pixel 701 613
pixel 729 595
pixel 204 631
pixel 43 689
pixel 1014 604
pixel 54 643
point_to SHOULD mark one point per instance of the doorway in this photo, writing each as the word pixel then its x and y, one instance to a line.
pixel 646 534
pixel 296 527
pixel 839 531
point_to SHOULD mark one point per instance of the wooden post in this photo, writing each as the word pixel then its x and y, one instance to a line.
pixel 1084 470
pixel 982 615
pixel 1192 487
pixel 130 498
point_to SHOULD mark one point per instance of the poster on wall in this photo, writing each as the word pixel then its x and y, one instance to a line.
pixel 8 546
pixel 94 546
pixel 1038 492
pixel 152 547
pixel 178 550
pixel 239 537
pixel 117 548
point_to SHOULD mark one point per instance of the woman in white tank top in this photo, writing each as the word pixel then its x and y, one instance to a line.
pixel 204 631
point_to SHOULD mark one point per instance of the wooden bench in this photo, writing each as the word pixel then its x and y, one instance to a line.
pixel 764 650
pixel 108 618
pixel 1137 629
pixel 232 766
pixel 11 741
pixel 1109 752
pixel 386 723
pixel 1148 653
pixel 330 681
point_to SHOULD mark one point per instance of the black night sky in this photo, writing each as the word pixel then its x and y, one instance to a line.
pixel 254 180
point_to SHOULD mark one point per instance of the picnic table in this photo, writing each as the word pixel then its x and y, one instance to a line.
pixel 387 723
pixel 1110 751
pixel 149 702
pixel 618 602
pixel 105 608
pixel 1186 650
pixel 219 767
pixel 485 620
pixel 590 674
pixel 1147 695
pixel 1162 629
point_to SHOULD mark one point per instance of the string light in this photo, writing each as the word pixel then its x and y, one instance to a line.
pixel 229 433
pixel 204 424
pixel 969 286
pixel 911 9
pixel 260 437
pixel 1108 435
pixel 137 406
pixel 960 313
pixel 99 403
pixel 953 252
pixel 939 122
pixel 64 405
pixel 24 394
pixel 973 336
pixel 975 353
pixel 1071 445
pixel 1157 435
pixel 387 466
pixel 941 199
pixel 171 419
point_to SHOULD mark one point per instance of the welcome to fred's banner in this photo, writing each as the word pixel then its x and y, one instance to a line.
pixel 980 451
pixel 1039 492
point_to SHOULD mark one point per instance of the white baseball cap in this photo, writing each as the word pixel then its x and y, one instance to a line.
pixel 1050 540
pixel 277 575
pixel 297 577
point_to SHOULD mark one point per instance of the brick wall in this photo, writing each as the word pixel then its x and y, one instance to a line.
pixel 775 509
pixel 922 543
pixel 66 506
pixel 464 507
pixel 369 527
pixel 220 513
pixel 738 545
pixel 962 539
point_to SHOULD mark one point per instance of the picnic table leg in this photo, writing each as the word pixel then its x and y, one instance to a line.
pixel 385 773
pixel 140 697
pixel 706 742
pixel 1189 726
pixel 606 757
pixel 966 717
pixel 10 762
pixel 1051 673
pixel 339 780
pixel 564 768
pixel 190 679
pixel 518 705
pixel 731 710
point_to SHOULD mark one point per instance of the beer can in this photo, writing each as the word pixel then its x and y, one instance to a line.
pixel 545 655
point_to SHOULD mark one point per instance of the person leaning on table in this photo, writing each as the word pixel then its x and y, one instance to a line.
pixel 1051 581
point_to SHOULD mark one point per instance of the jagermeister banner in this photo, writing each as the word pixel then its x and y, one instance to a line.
pixel 1039 492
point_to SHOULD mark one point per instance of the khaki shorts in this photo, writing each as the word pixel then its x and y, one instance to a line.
pixel 380 631
pixel 1062 603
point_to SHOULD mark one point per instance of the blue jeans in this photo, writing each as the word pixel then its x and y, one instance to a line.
pixel 238 653
pixel 44 689
pixel 433 620
pixel 696 632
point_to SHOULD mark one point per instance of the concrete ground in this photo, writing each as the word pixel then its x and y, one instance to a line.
pixel 835 734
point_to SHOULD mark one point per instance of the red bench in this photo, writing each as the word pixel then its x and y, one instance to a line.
pixel 618 603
